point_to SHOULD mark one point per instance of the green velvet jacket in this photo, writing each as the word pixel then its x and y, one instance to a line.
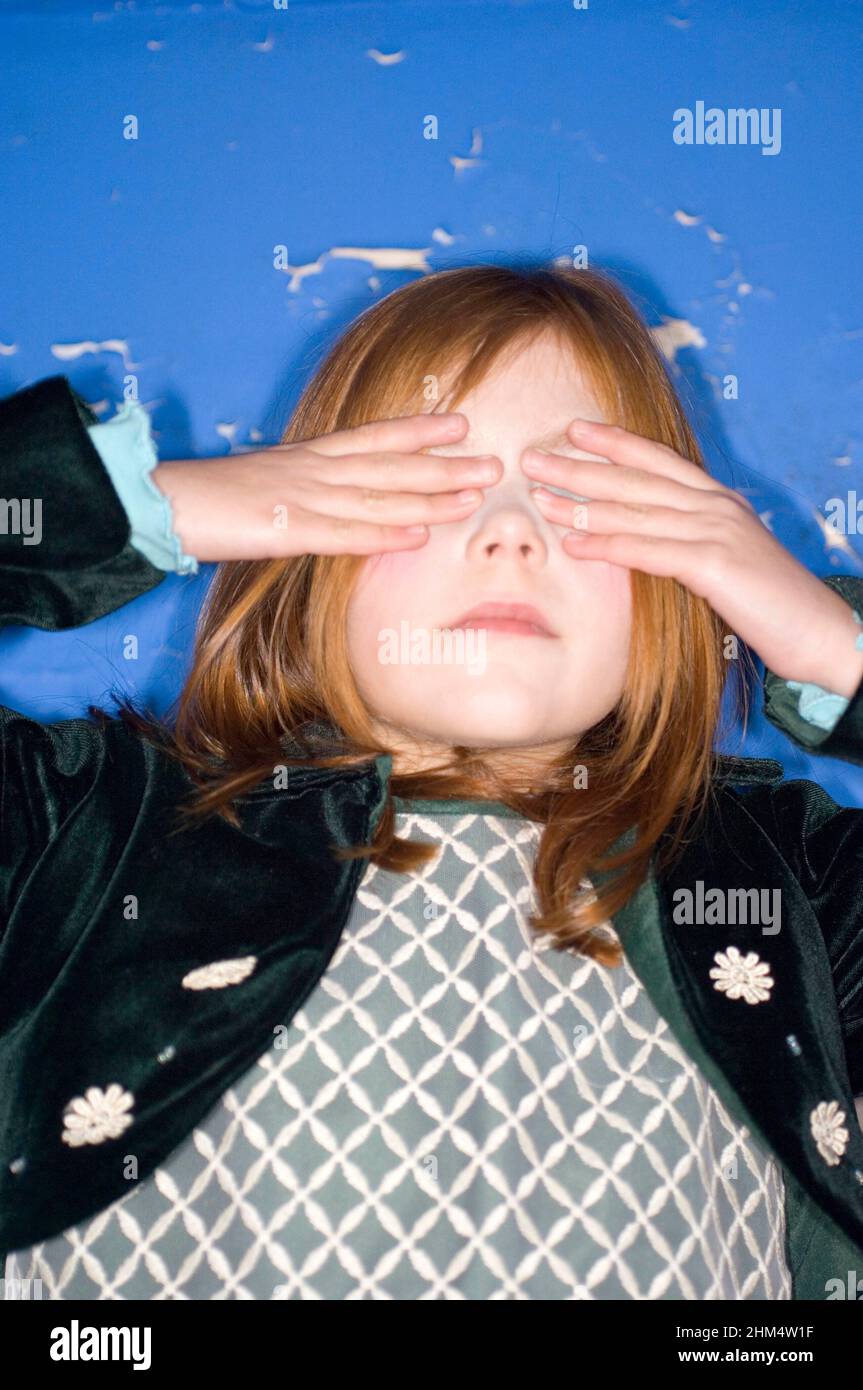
pixel 91 997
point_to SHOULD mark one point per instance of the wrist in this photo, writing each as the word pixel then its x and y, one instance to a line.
pixel 838 665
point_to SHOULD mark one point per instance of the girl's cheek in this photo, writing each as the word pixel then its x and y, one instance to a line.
pixel 393 566
pixel 385 582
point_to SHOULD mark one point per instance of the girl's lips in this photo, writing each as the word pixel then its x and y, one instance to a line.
pixel 521 619
pixel 505 625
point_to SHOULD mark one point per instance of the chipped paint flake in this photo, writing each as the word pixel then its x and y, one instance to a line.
pixel 68 352
pixel 674 334
pixel 835 540
pixel 386 60
pixel 381 257
pixel 385 257
pixel 688 219
pixel 471 159
pixel 228 432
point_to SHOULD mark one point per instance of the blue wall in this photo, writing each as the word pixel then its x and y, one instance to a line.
pixel 303 127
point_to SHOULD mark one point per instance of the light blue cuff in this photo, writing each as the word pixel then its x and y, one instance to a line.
pixel 126 448
pixel 821 707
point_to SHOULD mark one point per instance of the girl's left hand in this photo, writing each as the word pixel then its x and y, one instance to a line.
pixel 655 511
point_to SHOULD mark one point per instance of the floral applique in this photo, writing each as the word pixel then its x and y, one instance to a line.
pixel 742 977
pixel 97 1115
pixel 828 1130
pixel 220 973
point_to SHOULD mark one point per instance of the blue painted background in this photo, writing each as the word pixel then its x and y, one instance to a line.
pixel 304 127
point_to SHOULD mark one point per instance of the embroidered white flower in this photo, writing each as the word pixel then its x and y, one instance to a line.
pixel 97 1115
pixel 220 973
pixel 742 977
pixel 828 1131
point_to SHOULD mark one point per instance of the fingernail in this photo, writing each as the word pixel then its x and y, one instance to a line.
pixel 414 530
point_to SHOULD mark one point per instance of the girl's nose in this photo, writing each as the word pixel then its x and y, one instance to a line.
pixel 510 521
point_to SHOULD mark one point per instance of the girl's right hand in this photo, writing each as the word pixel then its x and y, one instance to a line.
pixel 353 492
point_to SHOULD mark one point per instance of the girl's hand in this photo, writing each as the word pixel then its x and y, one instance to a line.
pixel 354 492
pixel 650 509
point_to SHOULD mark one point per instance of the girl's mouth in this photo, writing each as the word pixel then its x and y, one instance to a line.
pixel 520 619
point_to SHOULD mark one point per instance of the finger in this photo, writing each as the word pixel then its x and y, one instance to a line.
pixel 585 478
pixel 328 535
pixel 605 518
pixel 390 508
pixel 623 446
pixel 402 434
pixel 670 559
pixel 407 472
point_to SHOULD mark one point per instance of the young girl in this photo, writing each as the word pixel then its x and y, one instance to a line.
pixel 428 950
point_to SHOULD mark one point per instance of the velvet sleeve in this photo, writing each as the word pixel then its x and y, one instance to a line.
pixel 844 739
pixel 66 555
pixel 822 841
pixel 65 560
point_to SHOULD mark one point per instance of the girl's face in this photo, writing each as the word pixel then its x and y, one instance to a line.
pixel 491 687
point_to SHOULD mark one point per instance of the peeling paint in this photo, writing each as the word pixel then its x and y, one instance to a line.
pixel 687 219
pixel 470 160
pixel 735 282
pixel 228 433
pixel 8 349
pixel 834 540
pixel 386 60
pixel 68 352
pixel 382 257
pixel 674 334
